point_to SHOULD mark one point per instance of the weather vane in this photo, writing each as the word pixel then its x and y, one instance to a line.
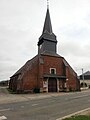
pixel 48 4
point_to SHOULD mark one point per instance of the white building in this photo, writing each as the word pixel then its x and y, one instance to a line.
pixel 85 79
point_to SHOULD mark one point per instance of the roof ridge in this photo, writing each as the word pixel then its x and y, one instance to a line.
pixel 23 68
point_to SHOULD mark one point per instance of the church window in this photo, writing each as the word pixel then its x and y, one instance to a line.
pixel 52 70
pixel 40 46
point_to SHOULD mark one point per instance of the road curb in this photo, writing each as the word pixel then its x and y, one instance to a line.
pixel 3 118
pixel 76 113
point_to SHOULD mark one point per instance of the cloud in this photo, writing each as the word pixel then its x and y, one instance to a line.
pixel 21 24
pixel 77 54
pixel 74 44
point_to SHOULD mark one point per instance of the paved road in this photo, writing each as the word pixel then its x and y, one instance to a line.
pixel 50 108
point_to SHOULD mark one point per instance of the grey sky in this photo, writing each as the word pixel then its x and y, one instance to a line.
pixel 21 24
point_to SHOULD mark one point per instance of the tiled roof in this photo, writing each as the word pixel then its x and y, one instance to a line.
pixel 70 68
pixel 27 66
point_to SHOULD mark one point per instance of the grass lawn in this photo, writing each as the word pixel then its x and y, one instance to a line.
pixel 80 117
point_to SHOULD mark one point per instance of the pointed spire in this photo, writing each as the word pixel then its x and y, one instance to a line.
pixel 47 24
pixel 47 33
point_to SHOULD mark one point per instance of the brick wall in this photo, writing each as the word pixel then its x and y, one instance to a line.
pixel 30 78
pixel 33 77
pixel 71 79
pixel 53 62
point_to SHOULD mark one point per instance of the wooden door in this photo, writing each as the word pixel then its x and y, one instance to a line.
pixel 52 85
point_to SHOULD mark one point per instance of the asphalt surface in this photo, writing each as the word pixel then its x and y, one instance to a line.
pixel 51 107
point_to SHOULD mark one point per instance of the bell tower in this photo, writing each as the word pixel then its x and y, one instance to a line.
pixel 47 41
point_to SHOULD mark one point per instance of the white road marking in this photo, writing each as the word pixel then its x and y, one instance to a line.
pixel 4 109
pixel 76 97
pixel 34 104
pixel 88 100
pixel 22 106
pixel 3 118
pixel 80 96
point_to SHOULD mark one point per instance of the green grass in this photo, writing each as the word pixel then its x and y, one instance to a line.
pixel 80 117
pixel 11 91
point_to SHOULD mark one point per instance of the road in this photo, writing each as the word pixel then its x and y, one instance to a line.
pixel 49 108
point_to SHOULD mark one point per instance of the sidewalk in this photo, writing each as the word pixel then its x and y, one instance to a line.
pixel 9 98
pixel 6 97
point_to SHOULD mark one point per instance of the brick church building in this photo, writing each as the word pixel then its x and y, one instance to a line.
pixel 47 71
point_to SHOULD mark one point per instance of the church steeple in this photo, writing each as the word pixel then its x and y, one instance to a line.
pixel 48 39
pixel 47 24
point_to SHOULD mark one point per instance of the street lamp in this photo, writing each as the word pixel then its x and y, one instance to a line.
pixel 83 77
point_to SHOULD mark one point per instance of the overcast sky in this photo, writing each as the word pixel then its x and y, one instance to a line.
pixel 21 24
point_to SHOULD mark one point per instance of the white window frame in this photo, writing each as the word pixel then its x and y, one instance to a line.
pixel 40 46
pixel 53 69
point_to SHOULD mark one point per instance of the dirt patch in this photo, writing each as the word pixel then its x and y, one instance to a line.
pixel 85 113
pixel 3 91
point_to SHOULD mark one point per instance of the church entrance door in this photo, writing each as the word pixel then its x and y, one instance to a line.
pixel 52 85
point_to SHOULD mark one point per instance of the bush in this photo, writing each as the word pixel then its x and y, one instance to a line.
pixel 36 90
pixel 70 89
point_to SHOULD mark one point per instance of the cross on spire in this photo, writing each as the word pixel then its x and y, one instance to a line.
pixel 47 4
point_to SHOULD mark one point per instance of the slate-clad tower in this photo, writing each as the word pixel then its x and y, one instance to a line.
pixel 47 71
pixel 47 41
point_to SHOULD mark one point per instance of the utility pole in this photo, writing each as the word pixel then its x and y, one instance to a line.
pixel 83 78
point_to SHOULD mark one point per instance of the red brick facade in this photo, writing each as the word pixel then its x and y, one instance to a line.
pixel 39 76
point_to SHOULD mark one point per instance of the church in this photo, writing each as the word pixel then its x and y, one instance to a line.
pixel 47 71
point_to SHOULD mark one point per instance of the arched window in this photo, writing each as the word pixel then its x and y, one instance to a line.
pixel 52 70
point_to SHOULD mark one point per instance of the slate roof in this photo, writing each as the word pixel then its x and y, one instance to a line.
pixel 47 33
pixel 50 53
pixel 54 76
pixel 86 75
pixel 47 24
